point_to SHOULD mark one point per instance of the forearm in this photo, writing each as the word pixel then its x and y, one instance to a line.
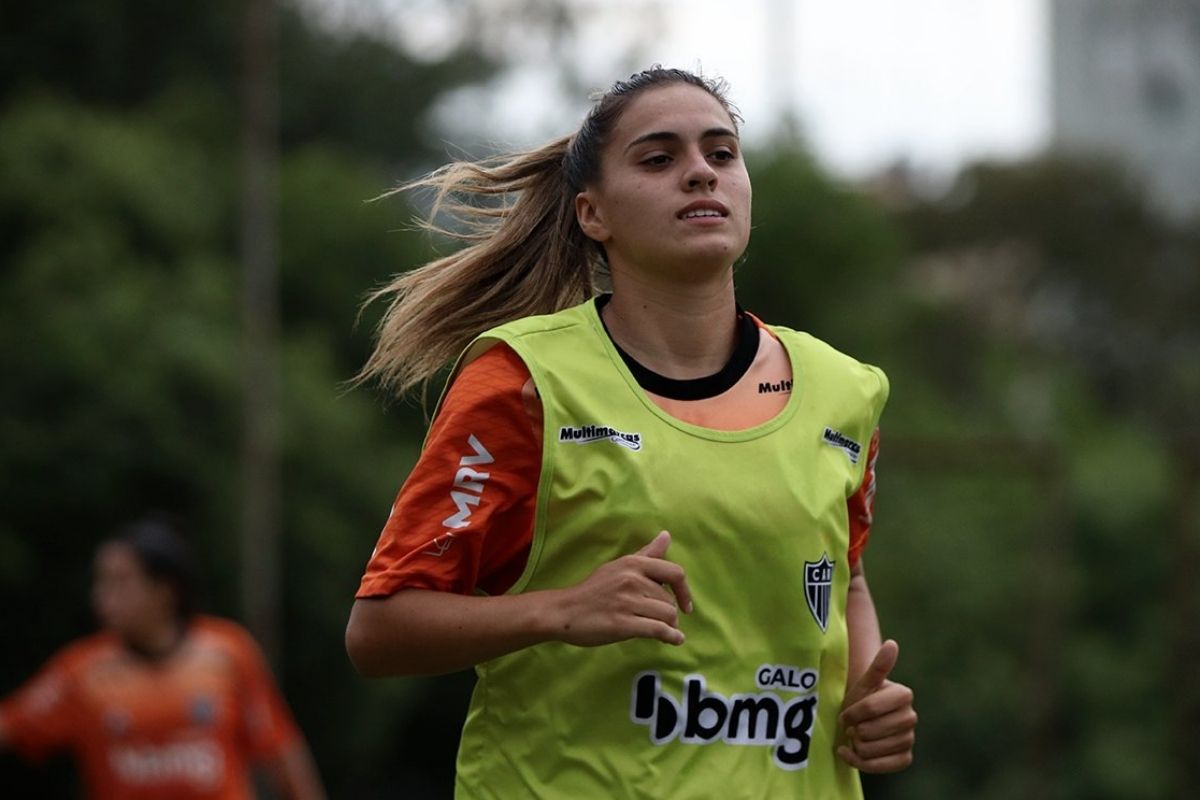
pixel 423 632
pixel 877 713
pixel 862 624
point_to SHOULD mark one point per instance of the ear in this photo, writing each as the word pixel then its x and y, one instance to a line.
pixel 590 217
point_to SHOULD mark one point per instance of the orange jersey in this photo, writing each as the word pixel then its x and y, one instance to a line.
pixel 494 403
pixel 184 728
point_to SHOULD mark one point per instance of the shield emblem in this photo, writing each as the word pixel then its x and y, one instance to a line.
pixel 818 585
pixel 203 711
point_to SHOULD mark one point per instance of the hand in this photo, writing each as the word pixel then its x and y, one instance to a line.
pixel 878 718
pixel 627 599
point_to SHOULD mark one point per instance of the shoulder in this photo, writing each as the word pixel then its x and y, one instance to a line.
pixel 530 334
pixel 84 652
pixel 492 383
pixel 498 365
pixel 817 347
pixel 574 317
pixel 223 641
pixel 810 345
pixel 71 663
pixel 222 634
pixel 814 355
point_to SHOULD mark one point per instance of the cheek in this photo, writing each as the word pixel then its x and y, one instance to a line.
pixel 626 218
pixel 107 603
pixel 743 188
pixel 631 198
pixel 745 197
pixel 116 602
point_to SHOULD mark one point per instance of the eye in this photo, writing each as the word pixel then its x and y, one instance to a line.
pixel 657 160
pixel 724 154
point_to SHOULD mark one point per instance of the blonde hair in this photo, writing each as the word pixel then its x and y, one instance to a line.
pixel 524 252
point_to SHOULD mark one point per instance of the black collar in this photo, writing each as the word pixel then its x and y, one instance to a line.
pixel 719 382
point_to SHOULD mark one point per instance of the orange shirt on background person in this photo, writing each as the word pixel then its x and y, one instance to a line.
pixel 492 404
pixel 188 726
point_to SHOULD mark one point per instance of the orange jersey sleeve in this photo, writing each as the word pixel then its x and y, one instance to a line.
pixel 463 521
pixel 42 716
pixel 860 506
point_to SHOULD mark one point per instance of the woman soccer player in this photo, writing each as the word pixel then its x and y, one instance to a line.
pixel 163 704
pixel 599 464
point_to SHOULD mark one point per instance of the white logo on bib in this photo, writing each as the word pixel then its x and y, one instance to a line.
pixel 587 434
pixel 761 719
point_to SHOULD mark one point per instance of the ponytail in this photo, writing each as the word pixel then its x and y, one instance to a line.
pixel 523 256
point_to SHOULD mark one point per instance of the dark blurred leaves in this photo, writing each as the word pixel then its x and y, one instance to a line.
pixel 119 337
pixel 1039 324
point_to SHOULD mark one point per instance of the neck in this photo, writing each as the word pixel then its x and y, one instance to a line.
pixel 157 639
pixel 679 331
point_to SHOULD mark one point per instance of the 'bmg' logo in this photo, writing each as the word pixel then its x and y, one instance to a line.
pixel 762 719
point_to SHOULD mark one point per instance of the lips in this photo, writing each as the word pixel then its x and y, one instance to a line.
pixel 703 209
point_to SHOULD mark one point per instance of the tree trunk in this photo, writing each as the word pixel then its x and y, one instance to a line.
pixel 260 525
pixel 1183 677
pixel 1049 568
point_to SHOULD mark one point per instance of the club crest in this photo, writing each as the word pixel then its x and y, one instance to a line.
pixel 203 710
pixel 117 721
pixel 818 586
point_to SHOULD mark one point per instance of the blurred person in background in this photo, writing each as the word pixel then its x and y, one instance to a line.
pixel 163 703
pixel 640 514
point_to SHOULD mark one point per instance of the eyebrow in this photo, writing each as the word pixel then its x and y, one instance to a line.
pixel 669 136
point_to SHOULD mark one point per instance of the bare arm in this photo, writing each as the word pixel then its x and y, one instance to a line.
pixel 423 632
pixel 295 775
pixel 877 713
pixel 426 632
pixel 862 624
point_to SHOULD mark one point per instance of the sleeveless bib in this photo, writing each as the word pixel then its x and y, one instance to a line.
pixel 747 707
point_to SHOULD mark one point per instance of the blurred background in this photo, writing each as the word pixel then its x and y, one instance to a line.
pixel 996 201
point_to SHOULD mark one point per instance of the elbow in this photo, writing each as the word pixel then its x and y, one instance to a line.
pixel 359 650
pixel 365 647
pixel 367 658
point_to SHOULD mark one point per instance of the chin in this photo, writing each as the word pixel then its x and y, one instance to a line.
pixel 694 261
pixel 113 624
pixel 713 257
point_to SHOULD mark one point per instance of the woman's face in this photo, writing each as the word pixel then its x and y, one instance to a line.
pixel 673 197
pixel 127 600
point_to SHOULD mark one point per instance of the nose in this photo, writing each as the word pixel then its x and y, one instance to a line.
pixel 699 172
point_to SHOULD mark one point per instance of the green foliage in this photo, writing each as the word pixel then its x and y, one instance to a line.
pixel 121 334
pixel 360 92
pixel 328 263
pixel 1038 324
pixel 1066 314
pixel 116 52
pixel 120 337
pixel 821 257
pixel 119 323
